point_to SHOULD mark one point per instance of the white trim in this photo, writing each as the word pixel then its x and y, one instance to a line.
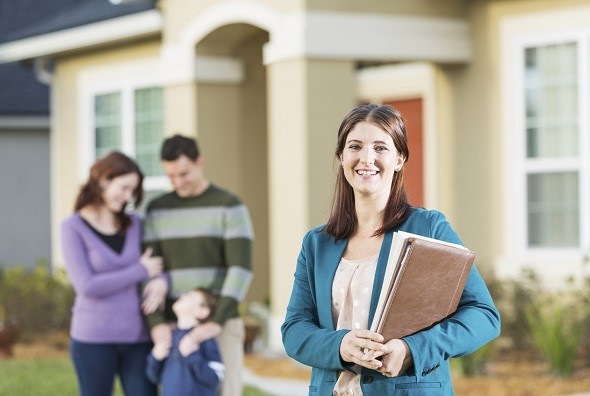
pixel 147 23
pixel 227 13
pixel 219 69
pixel 517 33
pixel 179 65
pixel 25 122
pixel 154 183
pixel 43 73
pixel 274 336
pixel 127 128
pixel 411 80
pixel 86 139
pixel 348 35
pixel 328 35
pixel 116 77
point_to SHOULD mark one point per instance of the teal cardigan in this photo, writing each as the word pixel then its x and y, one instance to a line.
pixel 310 338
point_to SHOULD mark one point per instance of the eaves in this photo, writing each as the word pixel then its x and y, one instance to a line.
pixel 127 28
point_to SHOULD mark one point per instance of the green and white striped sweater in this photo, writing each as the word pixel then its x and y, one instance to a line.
pixel 206 241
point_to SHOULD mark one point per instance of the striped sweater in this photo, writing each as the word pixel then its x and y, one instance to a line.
pixel 206 241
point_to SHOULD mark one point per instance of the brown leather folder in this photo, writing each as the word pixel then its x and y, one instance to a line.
pixel 427 281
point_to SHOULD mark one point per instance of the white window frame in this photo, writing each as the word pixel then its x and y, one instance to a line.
pixel 517 34
pixel 125 79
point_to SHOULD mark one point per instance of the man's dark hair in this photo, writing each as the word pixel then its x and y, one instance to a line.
pixel 179 145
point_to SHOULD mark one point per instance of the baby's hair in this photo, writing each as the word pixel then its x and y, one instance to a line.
pixel 209 299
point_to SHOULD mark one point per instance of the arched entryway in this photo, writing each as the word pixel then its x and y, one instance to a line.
pixel 231 126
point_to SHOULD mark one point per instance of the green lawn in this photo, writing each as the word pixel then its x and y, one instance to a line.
pixel 49 377
pixel 41 377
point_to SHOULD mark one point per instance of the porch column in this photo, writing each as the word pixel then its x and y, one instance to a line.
pixel 180 104
pixel 306 101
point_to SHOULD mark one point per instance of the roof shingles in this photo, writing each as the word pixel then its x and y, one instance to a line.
pixel 20 92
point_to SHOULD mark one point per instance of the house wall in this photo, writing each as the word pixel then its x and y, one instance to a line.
pixel 270 138
pixel 473 146
pixel 478 137
pixel 307 98
pixel 24 188
pixel 66 120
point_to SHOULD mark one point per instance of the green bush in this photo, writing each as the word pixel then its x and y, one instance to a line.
pixel 474 363
pixel 557 323
pixel 585 302
pixel 513 298
pixel 37 300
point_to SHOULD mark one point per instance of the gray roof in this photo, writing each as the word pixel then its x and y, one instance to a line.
pixel 75 13
pixel 20 92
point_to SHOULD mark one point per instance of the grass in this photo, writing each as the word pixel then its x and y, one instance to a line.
pixel 42 377
pixel 49 377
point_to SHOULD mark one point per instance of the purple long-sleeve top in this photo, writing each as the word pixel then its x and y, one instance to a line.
pixel 107 306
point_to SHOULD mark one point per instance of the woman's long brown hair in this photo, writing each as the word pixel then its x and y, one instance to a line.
pixel 343 221
pixel 108 167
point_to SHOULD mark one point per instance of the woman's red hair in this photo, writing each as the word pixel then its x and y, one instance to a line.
pixel 112 165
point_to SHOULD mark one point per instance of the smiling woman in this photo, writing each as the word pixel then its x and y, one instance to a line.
pixel 101 247
pixel 337 282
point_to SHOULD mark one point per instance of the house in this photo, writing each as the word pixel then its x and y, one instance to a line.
pixel 24 144
pixel 494 92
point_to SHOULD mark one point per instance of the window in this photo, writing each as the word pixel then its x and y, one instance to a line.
pixel 107 120
pixel 544 61
pixel 552 134
pixel 149 126
pixel 131 120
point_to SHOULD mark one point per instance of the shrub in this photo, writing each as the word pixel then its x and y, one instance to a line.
pixel 476 362
pixel 513 298
pixel 585 302
pixel 557 323
pixel 36 299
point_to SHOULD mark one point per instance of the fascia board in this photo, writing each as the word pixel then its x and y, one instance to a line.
pixel 134 26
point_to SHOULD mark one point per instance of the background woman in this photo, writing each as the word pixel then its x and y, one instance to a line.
pixel 335 291
pixel 101 246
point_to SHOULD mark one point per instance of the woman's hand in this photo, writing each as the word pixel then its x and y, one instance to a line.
pixel 153 265
pixel 363 347
pixel 154 295
pixel 397 359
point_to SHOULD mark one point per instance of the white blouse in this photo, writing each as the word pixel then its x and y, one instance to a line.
pixel 351 298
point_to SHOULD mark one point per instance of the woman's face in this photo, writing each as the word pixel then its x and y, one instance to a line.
pixel 370 160
pixel 119 191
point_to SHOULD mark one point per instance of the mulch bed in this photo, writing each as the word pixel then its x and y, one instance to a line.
pixel 523 373
pixel 509 373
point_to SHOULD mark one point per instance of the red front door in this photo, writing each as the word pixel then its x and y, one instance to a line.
pixel 411 110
